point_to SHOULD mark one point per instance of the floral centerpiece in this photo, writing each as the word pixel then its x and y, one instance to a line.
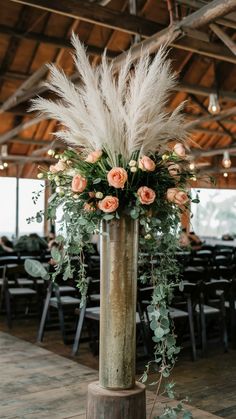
pixel 126 157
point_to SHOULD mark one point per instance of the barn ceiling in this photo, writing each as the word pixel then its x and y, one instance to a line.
pixel 202 37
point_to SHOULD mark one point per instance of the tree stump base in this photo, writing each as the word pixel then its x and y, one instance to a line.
pixel 116 404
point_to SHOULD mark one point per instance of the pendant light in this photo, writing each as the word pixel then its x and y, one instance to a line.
pixel 226 162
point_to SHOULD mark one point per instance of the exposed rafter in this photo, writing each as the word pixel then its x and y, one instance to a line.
pixel 228 21
pixel 30 83
pixel 208 118
pixel 21 127
pixel 224 37
pixel 208 13
pixel 93 13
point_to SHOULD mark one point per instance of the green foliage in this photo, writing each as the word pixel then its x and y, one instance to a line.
pixel 36 269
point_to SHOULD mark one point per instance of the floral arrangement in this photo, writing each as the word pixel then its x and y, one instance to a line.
pixel 126 155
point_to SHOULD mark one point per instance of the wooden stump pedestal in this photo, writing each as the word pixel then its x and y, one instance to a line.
pixel 116 404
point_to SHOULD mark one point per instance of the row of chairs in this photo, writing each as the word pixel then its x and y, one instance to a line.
pixel 193 307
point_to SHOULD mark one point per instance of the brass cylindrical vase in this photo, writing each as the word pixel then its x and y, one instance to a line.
pixel 117 352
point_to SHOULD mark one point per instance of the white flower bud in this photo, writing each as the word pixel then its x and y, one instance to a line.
pixel 56 178
pixel 51 152
pixel 40 175
pixel 56 156
pixel 58 183
pixel 133 169
pixel 99 195
pixel 165 157
pixel 76 196
pixel 60 190
pixel 148 237
pixel 132 163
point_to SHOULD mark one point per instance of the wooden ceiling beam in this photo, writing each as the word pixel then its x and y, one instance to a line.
pixel 32 141
pixel 214 132
pixel 26 159
pixel 168 36
pixel 51 40
pixel 227 21
pixel 223 37
pixel 122 21
pixel 99 15
pixel 210 118
pixel 213 151
pixel 196 89
pixel 4 138
pixel 28 84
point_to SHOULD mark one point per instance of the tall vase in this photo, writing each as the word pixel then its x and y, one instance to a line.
pixel 117 395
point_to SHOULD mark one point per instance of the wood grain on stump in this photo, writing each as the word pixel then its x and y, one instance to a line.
pixel 119 404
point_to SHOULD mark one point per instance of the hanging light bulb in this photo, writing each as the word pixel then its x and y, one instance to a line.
pixel 214 106
pixel 225 174
pixel 226 162
pixel 1 165
pixel 5 164
pixel 4 150
pixel 192 166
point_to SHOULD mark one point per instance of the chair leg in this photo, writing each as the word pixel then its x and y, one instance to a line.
pixel 44 316
pixel 203 328
pixel 8 309
pixel 62 323
pixel 191 328
pixel 224 324
pixel 79 330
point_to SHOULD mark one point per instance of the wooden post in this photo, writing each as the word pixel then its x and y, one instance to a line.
pixel 117 396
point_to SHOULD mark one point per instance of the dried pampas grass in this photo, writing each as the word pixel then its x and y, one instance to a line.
pixel 122 113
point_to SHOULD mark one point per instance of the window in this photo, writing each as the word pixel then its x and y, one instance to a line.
pixel 8 206
pixel 26 206
pixel 215 215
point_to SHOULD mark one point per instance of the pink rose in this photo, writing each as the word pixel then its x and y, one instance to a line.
pixel 176 196
pixel 93 156
pixel 117 177
pixel 146 164
pixel 108 204
pixel 146 195
pixel 78 183
pixel 89 207
pixel 174 169
pixel 179 149
pixel 58 167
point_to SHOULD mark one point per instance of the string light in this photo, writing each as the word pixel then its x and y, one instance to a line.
pixel 192 166
pixel 214 106
pixel 226 162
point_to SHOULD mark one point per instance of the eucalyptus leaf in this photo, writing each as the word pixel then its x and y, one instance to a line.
pixel 35 268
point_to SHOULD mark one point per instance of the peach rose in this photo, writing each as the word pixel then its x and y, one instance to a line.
pixel 78 183
pixel 146 195
pixel 179 149
pixel 174 169
pixel 176 196
pixel 117 177
pixel 58 167
pixel 146 164
pixel 88 207
pixel 93 156
pixel 108 204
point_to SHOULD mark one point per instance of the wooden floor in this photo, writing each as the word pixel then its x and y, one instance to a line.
pixel 36 383
pixel 209 383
